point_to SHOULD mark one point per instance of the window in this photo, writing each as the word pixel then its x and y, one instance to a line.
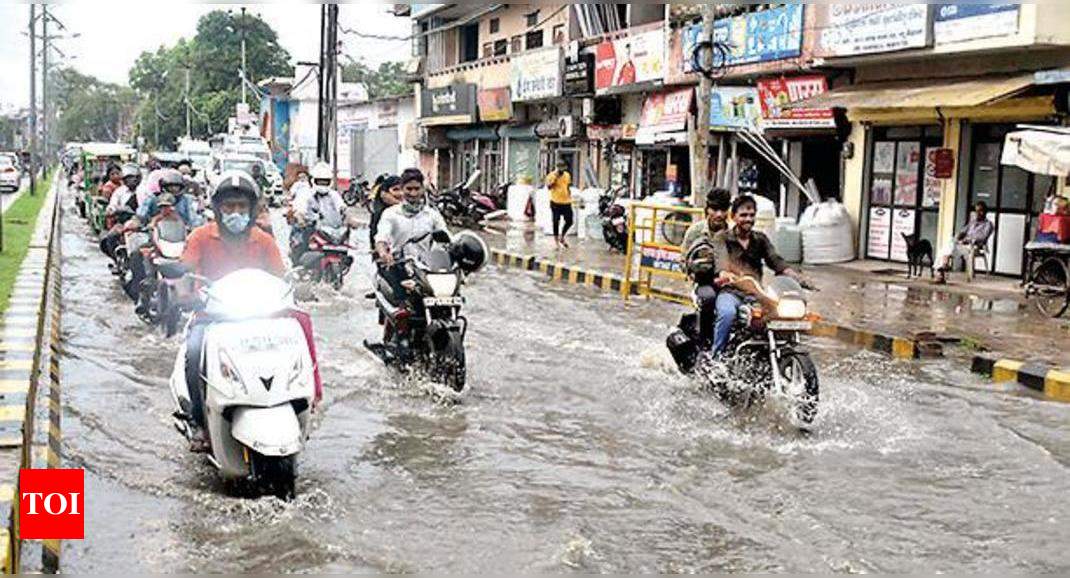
pixel 495 25
pixel 559 34
pixel 469 43
pixel 534 39
pixel 488 50
pixel 501 47
pixel 533 19
pixel 515 44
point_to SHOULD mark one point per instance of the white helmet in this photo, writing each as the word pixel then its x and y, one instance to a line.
pixel 321 172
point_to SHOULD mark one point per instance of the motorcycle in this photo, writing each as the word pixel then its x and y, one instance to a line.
pixel 258 386
pixel 614 219
pixel 463 207
pixel 327 259
pixel 359 193
pixel 764 354
pixel 160 296
pixel 424 325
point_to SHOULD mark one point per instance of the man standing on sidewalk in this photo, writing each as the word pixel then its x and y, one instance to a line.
pixel 559 183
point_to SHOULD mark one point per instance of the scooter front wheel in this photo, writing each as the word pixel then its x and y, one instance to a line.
pixel 275 475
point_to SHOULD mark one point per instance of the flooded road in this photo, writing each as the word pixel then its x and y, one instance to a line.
pixel 577 448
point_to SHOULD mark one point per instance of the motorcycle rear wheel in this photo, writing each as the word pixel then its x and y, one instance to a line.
pixel 800 382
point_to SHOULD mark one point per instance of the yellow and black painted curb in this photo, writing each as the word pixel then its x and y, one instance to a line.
pixel 30 346
pixel 1053 383
pixel 894 346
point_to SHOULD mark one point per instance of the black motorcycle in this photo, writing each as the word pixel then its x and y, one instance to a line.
pixel 421 310
pixel 614 219
pixel 764 355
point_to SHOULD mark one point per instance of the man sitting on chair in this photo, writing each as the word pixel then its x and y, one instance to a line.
pixel 974 234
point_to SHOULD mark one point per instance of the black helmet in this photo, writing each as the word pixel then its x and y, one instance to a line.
pixel 700 259
pixel 469 251
pixel 172 182
pixel 235 183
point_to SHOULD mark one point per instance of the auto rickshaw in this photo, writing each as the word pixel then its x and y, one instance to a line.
pixel 95 160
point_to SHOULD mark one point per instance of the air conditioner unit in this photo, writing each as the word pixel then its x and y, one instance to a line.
pixel 568 127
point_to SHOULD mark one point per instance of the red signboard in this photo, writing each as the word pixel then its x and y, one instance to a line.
pixel 667 111
pixel 775 93
pixel 494 104
pixel 944 163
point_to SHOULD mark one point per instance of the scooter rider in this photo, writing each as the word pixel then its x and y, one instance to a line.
pixel 123 198
pixel 223 246
pixel 412 219
pixel 171 183
pixel 699 259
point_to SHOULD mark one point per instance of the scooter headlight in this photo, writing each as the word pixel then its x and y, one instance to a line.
pixel 791 309
pixel 443 285
pixel 230 381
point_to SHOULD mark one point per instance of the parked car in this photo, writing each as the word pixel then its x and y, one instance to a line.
pixel 10 175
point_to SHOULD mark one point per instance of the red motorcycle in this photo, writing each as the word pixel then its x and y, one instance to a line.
pixel 327 259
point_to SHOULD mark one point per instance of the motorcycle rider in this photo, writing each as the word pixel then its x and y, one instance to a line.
pixel 699 259
pixel 214 250
pixel 389 195
pixel 114 180
pixel 318 204
pixel 739 253
pixel 411 219
pixel 173 185
pixel 125 197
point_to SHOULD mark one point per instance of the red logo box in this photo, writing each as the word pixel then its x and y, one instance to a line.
pixel 52 504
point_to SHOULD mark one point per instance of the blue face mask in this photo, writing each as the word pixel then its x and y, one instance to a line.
pixel 236 223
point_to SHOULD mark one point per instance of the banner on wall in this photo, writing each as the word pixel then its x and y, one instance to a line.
pixel 453 104
pixel 494 104
pixel 961 22
pixel 734 107
pixel 855 29
pixel 903 222
pixel 880 229
pixel 775 93
pixel 633 59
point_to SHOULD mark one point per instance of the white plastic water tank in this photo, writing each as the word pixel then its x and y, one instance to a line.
pixel 827 234
pixel 765 219
pixel 516 201
pixel 788 240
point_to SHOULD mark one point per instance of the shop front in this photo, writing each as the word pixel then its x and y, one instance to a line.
pixel 450 112
pixel 663 143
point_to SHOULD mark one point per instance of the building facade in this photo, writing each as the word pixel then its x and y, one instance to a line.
pixel 896 110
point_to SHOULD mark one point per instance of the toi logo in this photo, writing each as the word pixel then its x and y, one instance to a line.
pixel 52 504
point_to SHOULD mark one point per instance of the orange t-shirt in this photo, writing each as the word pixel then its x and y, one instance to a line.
pixel 212 256
pixel 107 189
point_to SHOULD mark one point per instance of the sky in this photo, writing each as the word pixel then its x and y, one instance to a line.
pixel 113 34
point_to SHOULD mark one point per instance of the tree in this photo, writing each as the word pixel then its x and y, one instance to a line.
pixel 90 110
pixel 213 58
pixel 386 81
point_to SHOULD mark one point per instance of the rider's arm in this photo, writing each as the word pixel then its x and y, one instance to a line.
pixel 772 259
pixel 272 258
pixel 384 237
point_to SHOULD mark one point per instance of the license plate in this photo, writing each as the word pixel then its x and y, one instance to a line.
pixel 791 325
pixel 443 301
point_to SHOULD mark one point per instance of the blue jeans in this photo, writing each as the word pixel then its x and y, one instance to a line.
pixel 727 308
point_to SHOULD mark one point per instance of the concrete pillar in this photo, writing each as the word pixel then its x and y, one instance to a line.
pixel 854 176
pixel 945 228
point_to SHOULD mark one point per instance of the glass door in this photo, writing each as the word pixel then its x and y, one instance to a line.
pixel 904 197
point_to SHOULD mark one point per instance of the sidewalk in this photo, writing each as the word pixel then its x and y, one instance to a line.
pixel 989 314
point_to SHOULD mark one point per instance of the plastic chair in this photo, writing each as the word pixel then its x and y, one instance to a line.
pixel 976 252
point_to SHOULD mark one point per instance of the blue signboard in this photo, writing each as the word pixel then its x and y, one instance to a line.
pixel 963 22
pixel 772 34
pixel 947 12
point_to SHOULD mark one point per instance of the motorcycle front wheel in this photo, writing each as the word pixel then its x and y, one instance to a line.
pixel 799 379
pixel 449 363
pixel 275 475
pixel 335 275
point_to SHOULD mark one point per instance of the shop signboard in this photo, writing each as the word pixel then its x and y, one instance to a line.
pixel 856 29
pixel 453 104
pixel 880 228
pixel 763 36
pixel 536 75
pixel 961 22
pixel 636 58
pixel 611 131
pixel 579 75
pixel 903 222
pixel 931 187
pixel 734 107
pixel 775 93
pixel 666 111
pixel 494 104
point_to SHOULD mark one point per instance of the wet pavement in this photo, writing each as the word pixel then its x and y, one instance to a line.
pixel 875 297
pixel 576 449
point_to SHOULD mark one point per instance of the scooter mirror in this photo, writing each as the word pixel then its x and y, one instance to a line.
pixel 175 270
pixel 473 179
pixel 440 237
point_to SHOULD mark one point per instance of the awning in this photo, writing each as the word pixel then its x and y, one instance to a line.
pixel 951 92
pixel 518 131
pixel 1040 150
pixel 649 137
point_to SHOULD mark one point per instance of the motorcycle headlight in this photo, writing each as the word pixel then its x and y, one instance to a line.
pixel 443 285
pixel 791 309
pixel 230 381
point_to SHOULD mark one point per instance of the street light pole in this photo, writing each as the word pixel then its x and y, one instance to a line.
pixel 243 80
pixel 33 99
pixel 700 153
pixel 185 98
pixel 46 126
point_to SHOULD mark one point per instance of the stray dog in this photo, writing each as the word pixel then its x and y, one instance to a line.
pixel 917 249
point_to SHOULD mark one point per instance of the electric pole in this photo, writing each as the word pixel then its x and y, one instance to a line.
pixel 700 152
pixel 185 98
pixel 241 26
pixel 328 85
pixel 46 126
pixel 33 97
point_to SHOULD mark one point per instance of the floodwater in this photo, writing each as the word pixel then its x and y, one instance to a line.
pixel 576 449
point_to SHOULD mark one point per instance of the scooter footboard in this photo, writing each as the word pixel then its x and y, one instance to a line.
pixel 270 431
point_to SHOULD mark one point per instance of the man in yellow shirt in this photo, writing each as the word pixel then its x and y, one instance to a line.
pixel 558 182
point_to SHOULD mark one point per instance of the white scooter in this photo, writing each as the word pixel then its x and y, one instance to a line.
pixel 258 380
